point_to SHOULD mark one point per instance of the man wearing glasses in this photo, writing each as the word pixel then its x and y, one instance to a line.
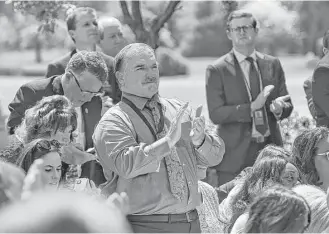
pixel 82 83
pixel 246 96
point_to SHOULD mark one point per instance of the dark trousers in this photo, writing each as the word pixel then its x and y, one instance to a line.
pixel 93 171
pixel 145 224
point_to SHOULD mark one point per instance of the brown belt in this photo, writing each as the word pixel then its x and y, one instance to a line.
pixel 165 218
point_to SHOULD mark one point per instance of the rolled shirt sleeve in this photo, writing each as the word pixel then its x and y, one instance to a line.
pixel 120 153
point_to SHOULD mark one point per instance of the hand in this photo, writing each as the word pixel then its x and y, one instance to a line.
pixel 198 131
pixel 119 201
pixel 34 180
pixel 261 98
pixel 175 129
pixel 278 104
pixel 72 155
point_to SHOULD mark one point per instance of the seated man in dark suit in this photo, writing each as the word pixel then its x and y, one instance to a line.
pixel 82 84
pixel 82 25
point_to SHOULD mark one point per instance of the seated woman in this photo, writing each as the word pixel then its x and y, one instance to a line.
pixel 268 151
pixel 52 164
pixel 53 117
pixel 265 173
pixel 310 153
pixel 277 210
pixel 317 200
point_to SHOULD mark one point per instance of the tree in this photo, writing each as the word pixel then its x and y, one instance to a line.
pixel 147 35
pixel 47 12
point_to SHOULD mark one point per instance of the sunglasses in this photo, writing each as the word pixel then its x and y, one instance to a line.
pixel 85 92
pixel 45 145
pixel 324 154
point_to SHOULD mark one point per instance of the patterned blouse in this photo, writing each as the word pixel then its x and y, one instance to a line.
pixel 208 211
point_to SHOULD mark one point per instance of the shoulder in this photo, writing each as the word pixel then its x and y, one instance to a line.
pixel 38 84
pixel 62 61
pixel 268 57
pixel 220 62
pixel 324 62
pixel 108 59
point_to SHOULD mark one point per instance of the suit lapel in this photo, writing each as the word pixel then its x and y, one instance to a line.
pixel 236 71
pixel 264 68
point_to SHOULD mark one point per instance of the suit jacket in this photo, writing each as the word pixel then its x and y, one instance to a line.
pixel 229 105
pixel 309 97
pixel 29 94
pixel 58 67
pixel 320 91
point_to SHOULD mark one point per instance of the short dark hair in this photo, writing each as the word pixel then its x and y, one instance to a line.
pixel 240 14
pixel 91 61
pixel 274 209
pixel 71 19
pixel 325 40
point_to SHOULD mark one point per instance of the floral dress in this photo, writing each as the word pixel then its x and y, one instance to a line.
pixel 208 211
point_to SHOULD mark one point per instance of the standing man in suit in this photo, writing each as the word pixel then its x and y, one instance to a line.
pixel 82 26
pixel 320 86
pixel 246 95
pixel 81 83
pixel 308 82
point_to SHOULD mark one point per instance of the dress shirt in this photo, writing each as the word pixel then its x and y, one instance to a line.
pixel 245 67
pixel 121 139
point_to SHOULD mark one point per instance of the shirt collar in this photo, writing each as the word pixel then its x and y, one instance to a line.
pixel 240 57
pixel 140 102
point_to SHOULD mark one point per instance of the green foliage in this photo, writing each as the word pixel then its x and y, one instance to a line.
pixel 204 9
pixel 46 12
pixel 171 63
pixel 208 39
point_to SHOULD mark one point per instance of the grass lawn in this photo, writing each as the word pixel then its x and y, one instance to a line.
pixel 191 88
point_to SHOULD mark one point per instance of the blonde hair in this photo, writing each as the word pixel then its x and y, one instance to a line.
pixel 317 201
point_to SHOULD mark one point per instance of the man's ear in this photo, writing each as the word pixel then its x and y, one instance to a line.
pixel 120 78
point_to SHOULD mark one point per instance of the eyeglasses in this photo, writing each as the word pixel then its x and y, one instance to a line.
pixel 43 145
pixel 246 28
pixel 85 92
pixel 324 154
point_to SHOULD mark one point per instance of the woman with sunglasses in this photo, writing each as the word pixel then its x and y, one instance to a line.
pixel 48 151
pixel 310 153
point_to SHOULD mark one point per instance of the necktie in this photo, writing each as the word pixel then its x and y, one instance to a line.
pixel 176 175
pixel 260 117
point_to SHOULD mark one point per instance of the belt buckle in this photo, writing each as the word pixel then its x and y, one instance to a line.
pixel 188 216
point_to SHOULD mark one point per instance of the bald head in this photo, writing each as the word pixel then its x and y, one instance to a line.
pixel 111 35
pixel 62 212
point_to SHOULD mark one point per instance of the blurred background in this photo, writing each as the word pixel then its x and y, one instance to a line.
pixel 193 37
